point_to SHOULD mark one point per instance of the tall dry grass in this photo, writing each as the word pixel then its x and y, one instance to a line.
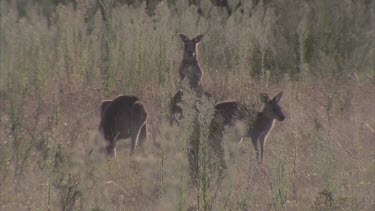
pixel 51 86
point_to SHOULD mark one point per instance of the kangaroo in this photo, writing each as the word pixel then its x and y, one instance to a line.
pixel 121 118
pixel 189 67
pixel 259 125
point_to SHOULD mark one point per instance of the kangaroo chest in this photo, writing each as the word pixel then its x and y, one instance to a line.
pixel 261 127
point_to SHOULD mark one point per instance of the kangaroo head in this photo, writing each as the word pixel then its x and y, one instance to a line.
pixel 272 109
pixel 111 145
pixel 190 46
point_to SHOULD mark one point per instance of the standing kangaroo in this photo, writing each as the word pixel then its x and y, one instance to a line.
pixel 121 118
pixel 258 125
pixel 189 67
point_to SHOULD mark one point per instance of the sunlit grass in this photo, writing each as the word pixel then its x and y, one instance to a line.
pixel 51 85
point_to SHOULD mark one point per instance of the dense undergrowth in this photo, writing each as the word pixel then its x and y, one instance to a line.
pixel 54 74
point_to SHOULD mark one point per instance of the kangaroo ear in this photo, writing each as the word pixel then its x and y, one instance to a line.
pixel 198 38
pixel 277 97
pixel 183 37
pixel 264 97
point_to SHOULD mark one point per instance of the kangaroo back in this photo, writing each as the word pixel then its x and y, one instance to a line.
pixel 116 117
pixel 231 111
pixel 122 118
pixel 226 111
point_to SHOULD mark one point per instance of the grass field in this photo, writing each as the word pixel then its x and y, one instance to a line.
pixel 53 79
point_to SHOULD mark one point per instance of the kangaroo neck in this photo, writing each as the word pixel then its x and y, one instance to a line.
pixel 264 120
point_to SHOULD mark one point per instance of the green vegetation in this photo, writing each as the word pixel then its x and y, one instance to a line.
pixel 57 63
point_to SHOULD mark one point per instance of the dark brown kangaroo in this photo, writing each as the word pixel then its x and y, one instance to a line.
pixel 259 125
pixel 189 67
pixel 122 118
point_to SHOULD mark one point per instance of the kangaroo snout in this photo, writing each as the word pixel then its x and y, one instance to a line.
pixel 281 118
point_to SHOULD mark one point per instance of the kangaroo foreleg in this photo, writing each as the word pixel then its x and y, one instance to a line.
pixel 255 143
